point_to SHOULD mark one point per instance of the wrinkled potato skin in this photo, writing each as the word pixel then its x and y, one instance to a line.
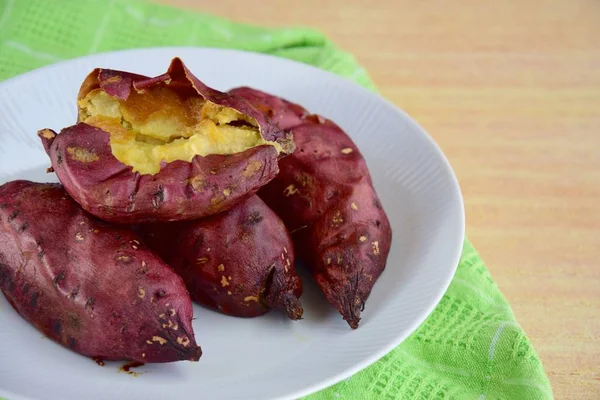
pixel 325 196
pixel 119 84
pixel 109 189
pixel 181 191
pixel 90 287
pixel 240 262
pixel 285 114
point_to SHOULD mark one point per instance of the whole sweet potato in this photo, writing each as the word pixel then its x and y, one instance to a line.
pixel 325 196
pixel 239 262
pixel 161 149
pixel 95 289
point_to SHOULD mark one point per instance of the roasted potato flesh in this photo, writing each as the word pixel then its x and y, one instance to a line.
pixel 161 124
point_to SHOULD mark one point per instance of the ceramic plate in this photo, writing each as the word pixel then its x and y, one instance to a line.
pixel 267 357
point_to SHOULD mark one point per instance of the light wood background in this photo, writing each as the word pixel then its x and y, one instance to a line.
pixel 511 92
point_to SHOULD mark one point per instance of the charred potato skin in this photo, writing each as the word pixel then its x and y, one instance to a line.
pixel 325 196
pixel 90 287
pixel 82 158
pixel 240 262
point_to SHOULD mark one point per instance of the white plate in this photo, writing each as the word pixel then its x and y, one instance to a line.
pixel 268 357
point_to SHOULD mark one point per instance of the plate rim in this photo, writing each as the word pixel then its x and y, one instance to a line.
pixel 341 80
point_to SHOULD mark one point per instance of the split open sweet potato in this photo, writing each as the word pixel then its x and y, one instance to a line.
pixel 325 196
pixel 239 262
pixel 93 288
pixel 167 148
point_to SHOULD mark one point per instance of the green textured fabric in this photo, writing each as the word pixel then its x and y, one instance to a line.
pixel 471 347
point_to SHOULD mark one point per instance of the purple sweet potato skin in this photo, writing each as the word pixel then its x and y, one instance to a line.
pixel 110 190
pixel 119 84
pixel 91 287
pixel 325 196
pixel 181 191
pixel 239 262
pixel 285 114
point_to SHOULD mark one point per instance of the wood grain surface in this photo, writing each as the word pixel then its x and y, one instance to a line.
pixel 511 92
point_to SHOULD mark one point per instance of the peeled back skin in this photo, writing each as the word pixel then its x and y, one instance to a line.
pixel 93 288
pixel 325 196
pixel 239 262
pixel 163 149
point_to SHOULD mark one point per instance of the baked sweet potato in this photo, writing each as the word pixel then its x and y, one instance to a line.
pixel 167 148
pixel 239 262
pixel 325 196
pixel 93 288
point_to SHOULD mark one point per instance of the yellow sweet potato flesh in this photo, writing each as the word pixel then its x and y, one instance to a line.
pixel 159 125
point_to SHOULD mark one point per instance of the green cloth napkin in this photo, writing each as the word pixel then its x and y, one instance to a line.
pixel 471 347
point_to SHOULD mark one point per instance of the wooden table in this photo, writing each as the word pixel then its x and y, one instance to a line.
pixel 511 92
